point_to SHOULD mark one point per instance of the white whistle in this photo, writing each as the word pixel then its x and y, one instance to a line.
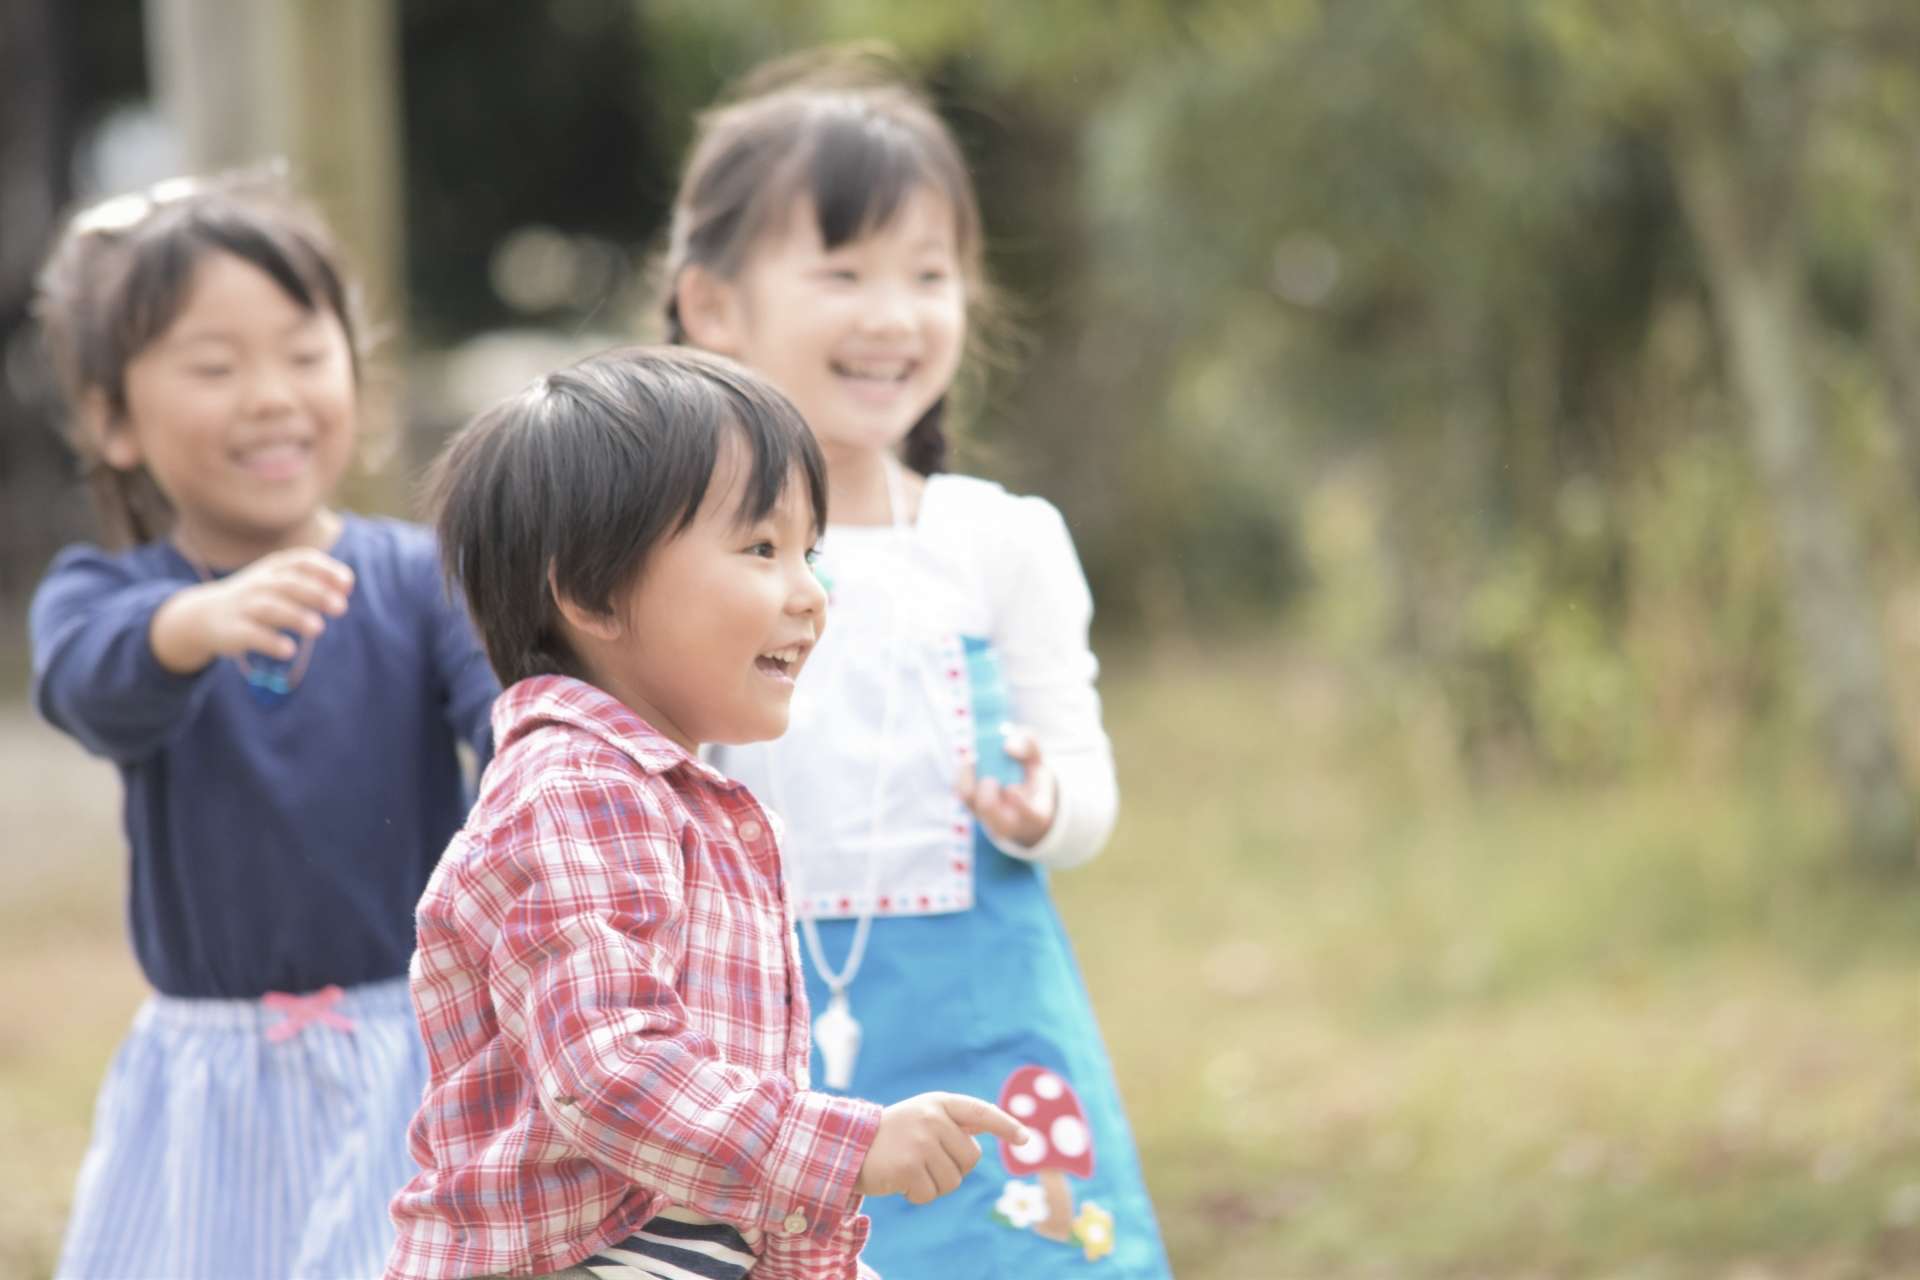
pixel 838 1036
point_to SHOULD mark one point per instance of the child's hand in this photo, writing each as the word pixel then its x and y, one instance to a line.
pixel 1019 814
pixel 925 1145
pixel 251 610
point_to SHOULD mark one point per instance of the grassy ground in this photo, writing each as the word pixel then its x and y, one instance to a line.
pixel 1369 1025
pixel 1372 1027
pixel 68 986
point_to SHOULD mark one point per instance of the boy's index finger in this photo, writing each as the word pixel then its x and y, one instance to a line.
pixel 976 1116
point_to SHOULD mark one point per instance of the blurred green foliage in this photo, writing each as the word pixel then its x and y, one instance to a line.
pixel 1440 249
pixel 1387 317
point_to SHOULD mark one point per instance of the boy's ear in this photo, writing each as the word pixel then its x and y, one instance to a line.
pixel 591 622
pixel 709 310
pixel 110 432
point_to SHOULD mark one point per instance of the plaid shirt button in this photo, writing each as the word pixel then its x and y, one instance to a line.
pixel 796 1223
pixel 750 830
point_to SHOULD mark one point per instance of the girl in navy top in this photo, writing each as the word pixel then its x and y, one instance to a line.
pixel 283 688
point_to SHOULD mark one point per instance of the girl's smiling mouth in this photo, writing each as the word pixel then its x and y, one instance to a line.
pixel 278 459
pixel 880 371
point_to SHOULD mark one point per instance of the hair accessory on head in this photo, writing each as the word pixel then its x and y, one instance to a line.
pixel 131 208
pixel 117 213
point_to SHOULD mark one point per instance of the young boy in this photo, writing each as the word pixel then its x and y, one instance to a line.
pixel 612 1003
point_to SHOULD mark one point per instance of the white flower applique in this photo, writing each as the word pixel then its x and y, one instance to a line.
pixel 1021 1204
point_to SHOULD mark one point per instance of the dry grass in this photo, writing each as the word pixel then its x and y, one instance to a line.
pixel 68 985
pixel 1371 1024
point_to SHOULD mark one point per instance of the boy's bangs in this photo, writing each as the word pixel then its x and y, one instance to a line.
pixel 773 455
pixel 861 171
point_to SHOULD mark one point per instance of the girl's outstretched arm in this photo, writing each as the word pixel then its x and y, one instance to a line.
pixel 119 660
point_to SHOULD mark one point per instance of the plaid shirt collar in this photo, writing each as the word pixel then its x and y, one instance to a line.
pixel 539 700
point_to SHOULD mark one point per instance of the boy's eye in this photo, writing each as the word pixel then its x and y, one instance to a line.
pixel 933 277
pixel 813 555
pixel 307 359
pixel 762 549
pixel 841 275
pixel 209 370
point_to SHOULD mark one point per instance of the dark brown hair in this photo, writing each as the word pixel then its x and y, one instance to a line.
pixel 844 128
pixel 569 485
pixel 117 279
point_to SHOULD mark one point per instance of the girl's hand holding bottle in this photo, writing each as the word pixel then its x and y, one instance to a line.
pixel 258 609
pixel 1018 812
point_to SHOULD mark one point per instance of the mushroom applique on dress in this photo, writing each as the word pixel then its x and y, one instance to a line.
pixel 1059 1144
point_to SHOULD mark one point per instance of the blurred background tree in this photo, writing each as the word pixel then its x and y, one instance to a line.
pixel 1557 362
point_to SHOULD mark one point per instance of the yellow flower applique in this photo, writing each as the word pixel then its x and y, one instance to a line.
pixel 1094 1230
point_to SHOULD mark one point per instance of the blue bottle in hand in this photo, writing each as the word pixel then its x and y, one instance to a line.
pixel 271 680
pixel 992 712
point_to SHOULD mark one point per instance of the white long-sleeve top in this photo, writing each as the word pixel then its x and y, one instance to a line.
pixel 881 726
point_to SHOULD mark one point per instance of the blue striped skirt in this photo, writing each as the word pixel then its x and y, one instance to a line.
pixel 250 1138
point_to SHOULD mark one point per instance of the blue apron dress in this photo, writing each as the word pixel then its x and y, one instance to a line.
pixel 962 1002
pixel 967 982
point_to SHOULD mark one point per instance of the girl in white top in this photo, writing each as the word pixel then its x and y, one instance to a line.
pixel 945 749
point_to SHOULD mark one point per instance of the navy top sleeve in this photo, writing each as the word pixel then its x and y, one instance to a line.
pixel 95 675
pixel 276 845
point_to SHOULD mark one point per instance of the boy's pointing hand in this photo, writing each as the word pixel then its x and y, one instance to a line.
pixel 925 1145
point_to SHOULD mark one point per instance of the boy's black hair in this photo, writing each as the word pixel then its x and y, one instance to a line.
pixel 568 486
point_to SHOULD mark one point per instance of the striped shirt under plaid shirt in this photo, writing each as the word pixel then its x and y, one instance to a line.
pixel 615 1020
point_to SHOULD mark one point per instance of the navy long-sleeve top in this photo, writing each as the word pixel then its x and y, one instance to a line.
pixel 273 847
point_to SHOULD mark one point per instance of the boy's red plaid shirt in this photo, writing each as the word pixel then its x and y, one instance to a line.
pixel 614 1013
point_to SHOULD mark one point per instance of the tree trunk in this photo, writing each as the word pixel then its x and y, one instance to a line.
pixel 41 504
pixel 316 82
pixel 1740 221
pixel 1896 311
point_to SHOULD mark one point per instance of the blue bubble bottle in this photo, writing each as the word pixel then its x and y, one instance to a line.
pixel 992 712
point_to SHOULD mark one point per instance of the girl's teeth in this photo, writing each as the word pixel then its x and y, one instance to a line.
pixel 876 373
pixel 279 459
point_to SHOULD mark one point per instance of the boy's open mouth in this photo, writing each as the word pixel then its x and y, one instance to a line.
pixel 782 663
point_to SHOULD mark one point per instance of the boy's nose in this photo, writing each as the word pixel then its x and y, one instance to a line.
pixel 809 593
